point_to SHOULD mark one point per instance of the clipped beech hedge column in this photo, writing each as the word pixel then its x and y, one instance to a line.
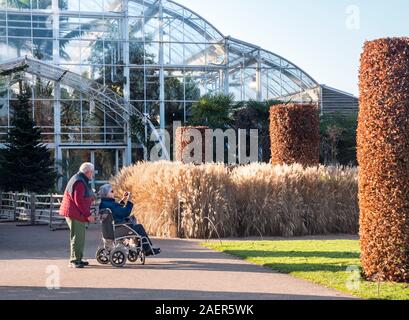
pixel 383 156
pixel 295 134
pixel 186 146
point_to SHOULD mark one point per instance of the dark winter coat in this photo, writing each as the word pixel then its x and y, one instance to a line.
pixel 120 213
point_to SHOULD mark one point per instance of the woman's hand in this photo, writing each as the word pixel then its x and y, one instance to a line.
pixel 125 198
pixel 127 195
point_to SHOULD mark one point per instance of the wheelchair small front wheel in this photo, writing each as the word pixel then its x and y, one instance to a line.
pixel 102 256
pixel 133 256
pixel 142 257
pixel 118 258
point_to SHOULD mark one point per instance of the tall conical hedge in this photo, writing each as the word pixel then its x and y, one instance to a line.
pixel 295 134
pixel 383 156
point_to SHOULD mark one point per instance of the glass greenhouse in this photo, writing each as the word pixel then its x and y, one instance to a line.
pixel 93 64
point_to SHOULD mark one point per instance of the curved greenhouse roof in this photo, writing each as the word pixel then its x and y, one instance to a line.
pixel 173 36
pixel 93 63
pixel 278 76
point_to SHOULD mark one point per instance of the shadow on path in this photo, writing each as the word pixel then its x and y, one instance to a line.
pixel 24 293
pixel 294 254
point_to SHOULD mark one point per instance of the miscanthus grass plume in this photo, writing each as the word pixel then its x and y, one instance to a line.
pixel 174 199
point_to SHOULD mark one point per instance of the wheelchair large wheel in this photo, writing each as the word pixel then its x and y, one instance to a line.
pixel 118 258
pixel 102 256
pixel 133 256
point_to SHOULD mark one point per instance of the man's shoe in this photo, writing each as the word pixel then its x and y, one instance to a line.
pixel 85 263
pixel 76 265
pixel 156 251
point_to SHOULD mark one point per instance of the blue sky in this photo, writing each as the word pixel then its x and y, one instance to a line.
pixel 323 37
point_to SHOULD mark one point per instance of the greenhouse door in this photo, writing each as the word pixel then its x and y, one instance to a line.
pixel 107 163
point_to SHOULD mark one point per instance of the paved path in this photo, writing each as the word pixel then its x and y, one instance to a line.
pixel 183 271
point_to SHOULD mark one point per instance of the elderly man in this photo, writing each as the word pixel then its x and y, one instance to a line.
pixel 76 208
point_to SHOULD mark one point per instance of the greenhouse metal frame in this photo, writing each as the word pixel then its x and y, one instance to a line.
pixel 125 57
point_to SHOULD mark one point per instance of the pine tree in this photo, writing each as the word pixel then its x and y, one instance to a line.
pixel 26 163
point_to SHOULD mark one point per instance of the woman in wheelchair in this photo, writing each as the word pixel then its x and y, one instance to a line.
pixel 121 213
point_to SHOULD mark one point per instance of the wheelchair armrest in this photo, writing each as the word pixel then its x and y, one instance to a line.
pixel 129 221
pixel 123 224
pixel 105 211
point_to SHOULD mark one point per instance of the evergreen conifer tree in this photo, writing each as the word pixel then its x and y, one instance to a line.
pixel 25 163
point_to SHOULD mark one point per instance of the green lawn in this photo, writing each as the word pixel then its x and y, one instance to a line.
pixel 322 262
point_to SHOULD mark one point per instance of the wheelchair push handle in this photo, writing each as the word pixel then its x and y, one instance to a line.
pixel 103 214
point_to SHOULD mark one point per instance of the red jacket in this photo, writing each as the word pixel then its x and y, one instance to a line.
pixel 76 205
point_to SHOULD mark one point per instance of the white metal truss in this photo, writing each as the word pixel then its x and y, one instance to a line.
pixel 119 109
pixel 91 88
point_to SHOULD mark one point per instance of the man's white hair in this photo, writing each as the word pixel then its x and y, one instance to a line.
pixel 87 167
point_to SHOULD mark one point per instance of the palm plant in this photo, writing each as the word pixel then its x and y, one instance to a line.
pixel 255 115
pixel 23 27
pixel 213 111
pixel 20 30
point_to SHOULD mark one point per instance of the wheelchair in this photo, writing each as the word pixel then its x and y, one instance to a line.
pixel 120 243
